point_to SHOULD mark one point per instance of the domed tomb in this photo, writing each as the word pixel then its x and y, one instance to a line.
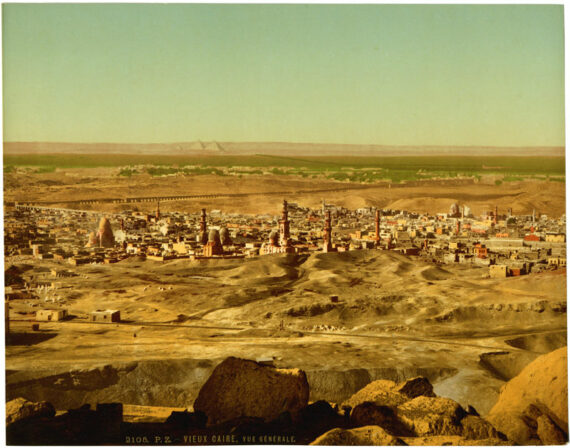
pixel 214 244
pixel 274 238
pixel 454 209
pixel 93 241
pixel 225 237
pixel 105 233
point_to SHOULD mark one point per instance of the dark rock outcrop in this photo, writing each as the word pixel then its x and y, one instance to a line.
pixel 416 387
pixel 367 413
pixel 187 419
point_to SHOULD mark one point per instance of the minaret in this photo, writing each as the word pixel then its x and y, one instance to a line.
pixel 377 226
pixel 203 220
pixel 495 216
pixel 327 245
pixel 158 210
pixel 284 238
pixel 203 230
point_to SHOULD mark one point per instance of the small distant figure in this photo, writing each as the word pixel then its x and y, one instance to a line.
pixel 282 325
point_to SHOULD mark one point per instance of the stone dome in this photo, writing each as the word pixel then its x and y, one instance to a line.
pixel 274 238
pixel 214 237
pixel 225 237
pixel 92 241
pixel 105 233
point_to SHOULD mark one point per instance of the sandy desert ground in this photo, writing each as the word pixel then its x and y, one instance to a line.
pixel 394 319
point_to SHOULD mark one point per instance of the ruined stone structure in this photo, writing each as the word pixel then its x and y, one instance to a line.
pixel 214 244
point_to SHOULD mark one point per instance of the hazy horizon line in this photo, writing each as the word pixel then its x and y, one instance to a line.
pixel 430 145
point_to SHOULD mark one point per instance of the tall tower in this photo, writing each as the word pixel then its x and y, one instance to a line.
pixel 495 216
pixel 203 221
pixel 157 209
pixel 327 245
pixel 203 229
pixel 284 237
pixel 377 226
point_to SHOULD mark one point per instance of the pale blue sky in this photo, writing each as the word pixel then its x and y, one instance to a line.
pixel 377 74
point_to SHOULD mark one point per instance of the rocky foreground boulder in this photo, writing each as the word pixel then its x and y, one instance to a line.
pixel 365 435
pixel 389 393
pixel 532 408
pixel 244 388
pixel 409 413
pixel 20 409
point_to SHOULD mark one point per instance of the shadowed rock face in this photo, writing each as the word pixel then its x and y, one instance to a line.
pixel 533 406
pixel 20 409
pixel 243 388
pixel 367 413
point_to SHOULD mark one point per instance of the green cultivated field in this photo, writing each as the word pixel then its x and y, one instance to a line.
pixel 342 168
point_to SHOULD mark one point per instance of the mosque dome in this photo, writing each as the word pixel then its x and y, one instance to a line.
pixel 454 209
pixel 225 237
pixel 274 238
pixel 92 241
pixel 214 237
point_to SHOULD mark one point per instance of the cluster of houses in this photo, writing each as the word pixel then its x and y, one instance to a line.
pixel 509 245
pixel 520 242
